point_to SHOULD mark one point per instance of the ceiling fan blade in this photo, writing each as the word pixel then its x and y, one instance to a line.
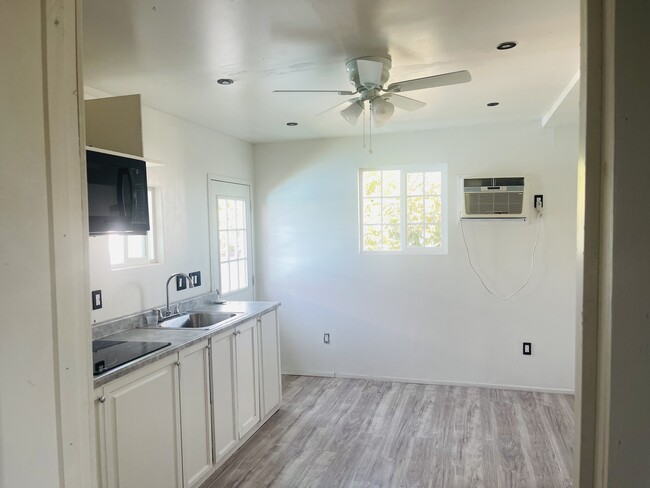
pixel 430 82
pixel 351 100
pixel 340 92
pixel 404 103
pixel 369 72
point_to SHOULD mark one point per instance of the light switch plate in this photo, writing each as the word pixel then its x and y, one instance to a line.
pixel 196 278
pixel 181 283
pixel 527 349
pixel 97 301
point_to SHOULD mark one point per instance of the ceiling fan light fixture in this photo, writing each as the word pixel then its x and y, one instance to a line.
pixel 352 113
pixel 381 111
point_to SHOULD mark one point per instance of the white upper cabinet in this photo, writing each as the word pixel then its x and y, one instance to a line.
pixel 115 124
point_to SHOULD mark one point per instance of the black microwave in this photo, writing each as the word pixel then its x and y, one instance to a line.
pixel 117 194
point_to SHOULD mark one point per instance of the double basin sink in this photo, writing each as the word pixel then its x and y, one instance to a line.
pixel 198 320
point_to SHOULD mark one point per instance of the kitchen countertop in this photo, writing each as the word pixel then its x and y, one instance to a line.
pixel 180 338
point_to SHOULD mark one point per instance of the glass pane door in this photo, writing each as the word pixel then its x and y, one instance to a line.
pixel 233 238
pixel 231 245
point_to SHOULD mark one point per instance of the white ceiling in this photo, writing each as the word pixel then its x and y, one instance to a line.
pixel 172 52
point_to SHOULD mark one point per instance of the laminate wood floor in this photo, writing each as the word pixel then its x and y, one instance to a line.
pixel 333 432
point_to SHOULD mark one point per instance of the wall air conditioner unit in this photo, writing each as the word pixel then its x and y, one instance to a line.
pixel 493 198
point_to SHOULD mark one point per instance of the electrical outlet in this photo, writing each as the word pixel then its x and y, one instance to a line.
pixel 528 349
pixel 181 283
pixel 540 199
pixel 326 338
pixel 97 299
pixel 196 278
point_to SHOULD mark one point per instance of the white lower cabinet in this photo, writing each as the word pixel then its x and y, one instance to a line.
pixel 142 428
pixel 247 374
pixel 173 422
pixel 196 414
pixel 224 394
pixel 271 387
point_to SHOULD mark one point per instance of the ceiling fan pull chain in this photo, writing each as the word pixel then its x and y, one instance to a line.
pixel 370 128
pixel 364 126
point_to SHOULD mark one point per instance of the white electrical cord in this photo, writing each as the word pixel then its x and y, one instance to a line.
pixel 530 271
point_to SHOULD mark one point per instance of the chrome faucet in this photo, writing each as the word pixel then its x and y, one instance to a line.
pixel 168 312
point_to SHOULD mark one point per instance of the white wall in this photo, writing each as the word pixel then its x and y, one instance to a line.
pixel 190 152
pixel 45 370
pixel 627 237
pixel 420 317
pixel 28 434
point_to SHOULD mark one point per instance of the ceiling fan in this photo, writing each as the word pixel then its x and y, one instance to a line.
pixel 368 75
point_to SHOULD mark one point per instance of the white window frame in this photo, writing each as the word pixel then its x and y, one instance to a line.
pixel 155 233
pixel 404 249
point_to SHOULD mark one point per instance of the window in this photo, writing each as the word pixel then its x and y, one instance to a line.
pixel 403 210
pixel 233 243
pixel 127 251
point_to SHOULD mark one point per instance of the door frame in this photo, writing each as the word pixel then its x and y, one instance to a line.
pixel 73 419
pixel 211 222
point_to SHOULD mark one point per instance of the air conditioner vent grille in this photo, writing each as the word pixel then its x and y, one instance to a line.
pixel 494 197
pixel 508 203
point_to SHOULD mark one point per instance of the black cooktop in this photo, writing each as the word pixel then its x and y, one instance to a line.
pixel 109 355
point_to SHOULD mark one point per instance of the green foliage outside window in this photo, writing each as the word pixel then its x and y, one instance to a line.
pixel 384 218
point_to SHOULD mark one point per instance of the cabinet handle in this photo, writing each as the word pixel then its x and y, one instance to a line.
pixel 178 363
pixel 101 399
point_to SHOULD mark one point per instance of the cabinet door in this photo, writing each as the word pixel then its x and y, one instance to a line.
pixel 224 393
pixel 248 404
pixel 142 418
pixel 196 413
pixel 270 359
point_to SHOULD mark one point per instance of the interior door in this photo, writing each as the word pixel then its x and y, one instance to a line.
pixel 231 246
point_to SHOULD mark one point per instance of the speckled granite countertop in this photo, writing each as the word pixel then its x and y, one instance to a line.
pixel 180 338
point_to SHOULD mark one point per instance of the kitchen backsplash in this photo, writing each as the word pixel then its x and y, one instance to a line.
pixel 139 319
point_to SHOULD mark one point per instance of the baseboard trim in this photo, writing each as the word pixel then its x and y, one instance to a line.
pixel 310 373
pixel 420 381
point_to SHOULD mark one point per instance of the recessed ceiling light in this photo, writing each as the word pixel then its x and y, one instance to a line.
pixel 493 104
pixel 225 81
pixel 292 124
pixel 504 46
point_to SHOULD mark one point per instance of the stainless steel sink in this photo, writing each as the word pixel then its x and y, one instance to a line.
pixel 197 320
